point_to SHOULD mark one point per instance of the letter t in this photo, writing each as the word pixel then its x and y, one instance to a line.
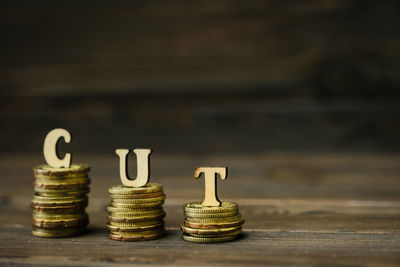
pixel 210 175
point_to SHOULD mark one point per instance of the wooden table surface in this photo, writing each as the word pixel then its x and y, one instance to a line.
pixel 299 99
pixel 300 208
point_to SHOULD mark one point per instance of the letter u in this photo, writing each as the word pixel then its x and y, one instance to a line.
pixel 142 156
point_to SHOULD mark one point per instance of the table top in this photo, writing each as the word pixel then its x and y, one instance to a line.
pixel 299 208
pixel 299 99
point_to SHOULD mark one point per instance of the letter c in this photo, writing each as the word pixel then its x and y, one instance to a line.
pixel 50 148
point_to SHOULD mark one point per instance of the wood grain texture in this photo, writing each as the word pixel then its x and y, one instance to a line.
pixel 212 123
pixel 241 77
pixel 300 208
pixel 323 48
pixel 299 99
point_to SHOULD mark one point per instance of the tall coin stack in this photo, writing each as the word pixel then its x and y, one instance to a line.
pixel 60 199
pixel 211 224
pixel 136 213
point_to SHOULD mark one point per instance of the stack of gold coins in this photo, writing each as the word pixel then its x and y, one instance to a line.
pixel 60 199
pixel 136 213
pixel 211 224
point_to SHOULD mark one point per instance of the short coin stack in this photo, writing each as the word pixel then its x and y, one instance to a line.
pixel 60 199
pixel 136 213
pixel 211 224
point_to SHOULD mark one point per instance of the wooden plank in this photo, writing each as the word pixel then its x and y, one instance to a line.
pixel 302 225
pixel 338 48
pixel 239 124
pixel 293 175
pixel 276 231
pixel 257 247
pixel 273 215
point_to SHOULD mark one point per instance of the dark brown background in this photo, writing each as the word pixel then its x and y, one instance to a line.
pixel 202 76
pixel 300 99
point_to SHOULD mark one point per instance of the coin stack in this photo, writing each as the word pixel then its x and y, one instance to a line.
pixel 211 224
pixel 136 213
pixel 60 199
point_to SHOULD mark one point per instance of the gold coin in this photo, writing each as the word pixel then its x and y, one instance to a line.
pixel 136 224
pixel 125 190
pixel 135 219
pixel 57 186
pixel 60 209
pixel 60 224
pixel 57 202
pixel 81 192
pixel 208 239
pixel 49 216
pixel 60 218
pixel 114 228
pixel 61 204
pixel 211 215
pixel 214 220
pixel 55 198
pixel 196 207
pixel 55 179
pixel 135 209
pixel 137 205
pixel 139 200
pixel 213 225
pixel 135 238
pixel 60 177
pixel 136 234
pixel 58 233
pixel 75 170
pixel 138 196
pixel 238 232
pixel 46 222
pixel 210 232
pixel 62 180
pixel 136 215
pixel 143 211
pixel 62 189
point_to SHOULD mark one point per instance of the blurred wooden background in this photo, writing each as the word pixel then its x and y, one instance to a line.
pixel 205 76
pixel 300 99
